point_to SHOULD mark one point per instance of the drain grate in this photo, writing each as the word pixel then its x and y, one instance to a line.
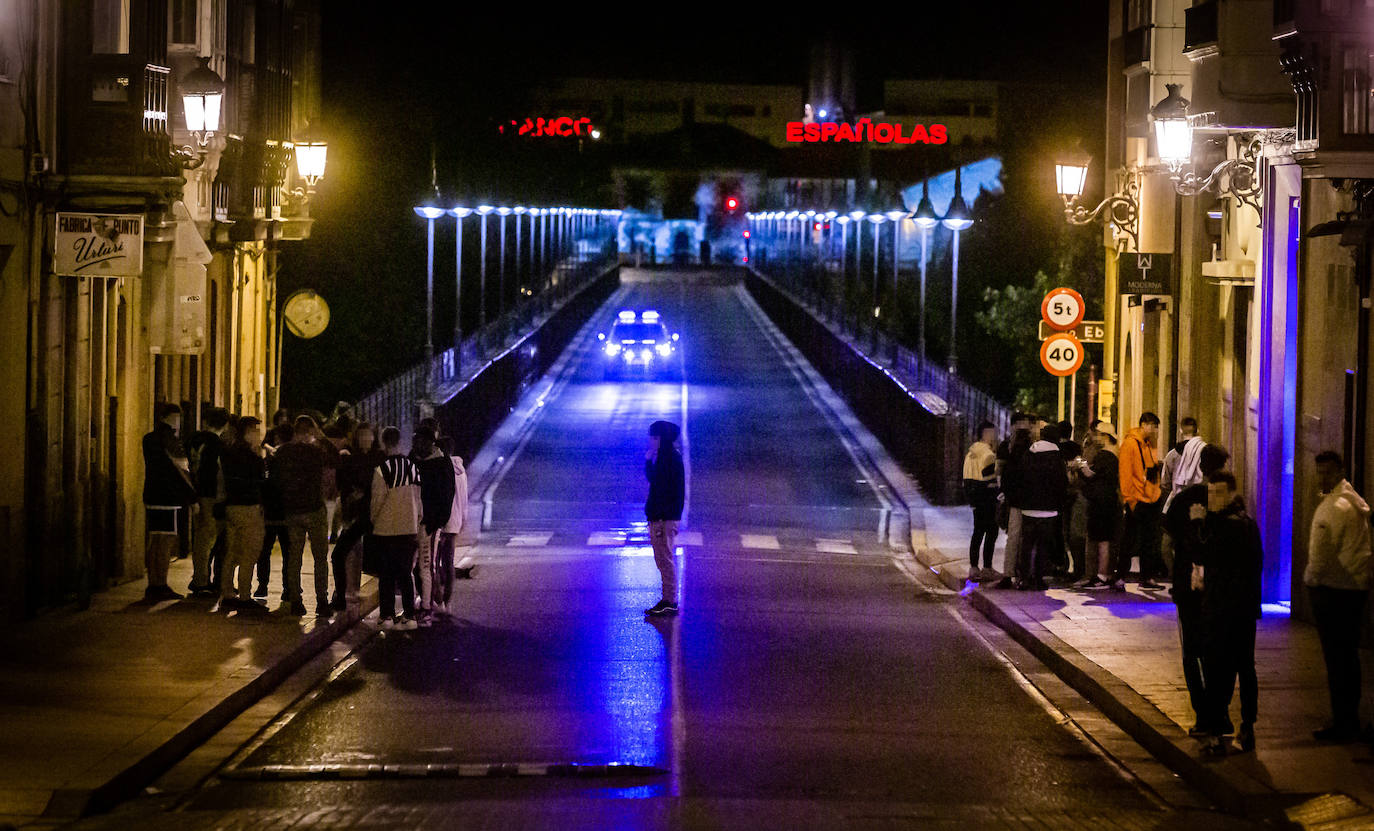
pixel 292 773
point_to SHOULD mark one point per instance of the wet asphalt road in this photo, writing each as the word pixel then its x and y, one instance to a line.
pixel 807 682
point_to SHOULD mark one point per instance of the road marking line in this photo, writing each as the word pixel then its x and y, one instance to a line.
pixel 836 547
pixel 602 538
pixel 529 540
pixel 763 541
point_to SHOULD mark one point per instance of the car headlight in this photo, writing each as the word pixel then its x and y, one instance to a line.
pixel 646 355
pixel 612 349
pixel 664 350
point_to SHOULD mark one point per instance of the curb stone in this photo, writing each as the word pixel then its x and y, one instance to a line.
pixel 72 803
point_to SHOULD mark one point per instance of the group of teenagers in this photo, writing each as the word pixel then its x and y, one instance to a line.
pixel 237 489
pixel 1083 513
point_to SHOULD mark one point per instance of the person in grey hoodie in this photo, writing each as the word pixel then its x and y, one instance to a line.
pixel 1338 576
pixel 395 511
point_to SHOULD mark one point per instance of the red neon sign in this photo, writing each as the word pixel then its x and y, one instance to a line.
pixel 561 126
pixel 866 130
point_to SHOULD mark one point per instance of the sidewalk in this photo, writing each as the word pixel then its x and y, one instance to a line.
pixel 1121 652
pixel 96 704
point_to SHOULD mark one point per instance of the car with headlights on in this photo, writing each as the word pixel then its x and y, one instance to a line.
pixel 638 344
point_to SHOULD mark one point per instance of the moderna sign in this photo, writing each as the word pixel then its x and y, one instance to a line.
pixel 866 130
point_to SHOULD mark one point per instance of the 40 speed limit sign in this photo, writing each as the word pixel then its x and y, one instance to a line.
pixel 1061 354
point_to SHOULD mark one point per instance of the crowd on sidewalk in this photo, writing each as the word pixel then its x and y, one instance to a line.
pixel 1081 515
pixel 237 494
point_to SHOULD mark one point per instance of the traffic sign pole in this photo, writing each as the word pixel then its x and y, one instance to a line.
pixel 1060 416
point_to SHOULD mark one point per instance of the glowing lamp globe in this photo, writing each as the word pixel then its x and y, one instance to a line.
pixel 1173 133
pixel 202 97
pixel 1071 174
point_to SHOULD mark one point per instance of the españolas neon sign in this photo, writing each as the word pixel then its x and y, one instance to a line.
pixel 866 130
pixel 561 126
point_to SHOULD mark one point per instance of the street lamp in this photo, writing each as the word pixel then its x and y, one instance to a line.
pixel 926 219
pixel 895 216
pixel 502 212
pixel 429 212
pixel 482 211
pixel 957 219
pixel 458 213
pixel 202 97
pixel 519 211
pixel 1174 131
pixel 1120 210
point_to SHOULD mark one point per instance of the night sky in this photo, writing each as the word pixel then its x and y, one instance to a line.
pixel 397 86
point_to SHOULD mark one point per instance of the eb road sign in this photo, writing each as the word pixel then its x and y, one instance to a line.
pixel 1061 354
pixel 1089 331
pixel 1062 309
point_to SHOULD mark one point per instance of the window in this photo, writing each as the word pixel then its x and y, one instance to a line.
pixel 185 15
pixel 110 27
pixel 250 33
pixel 1356 93
pixel 1138 14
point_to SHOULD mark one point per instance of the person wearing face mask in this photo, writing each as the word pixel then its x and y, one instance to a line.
pixel 168 493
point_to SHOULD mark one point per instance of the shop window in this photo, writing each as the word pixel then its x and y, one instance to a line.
pixel 110 27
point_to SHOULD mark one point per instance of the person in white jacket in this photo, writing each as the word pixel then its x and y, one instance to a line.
pixel 395 512
pixel 448 535
pixel 1338 577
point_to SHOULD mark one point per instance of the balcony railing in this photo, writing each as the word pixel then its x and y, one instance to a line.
pixel 1200 26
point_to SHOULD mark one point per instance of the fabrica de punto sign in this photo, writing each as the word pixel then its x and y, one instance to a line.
pixel 865 130
pixel 98 245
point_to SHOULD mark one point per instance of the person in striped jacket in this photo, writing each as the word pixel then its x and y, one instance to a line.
pixel 395 512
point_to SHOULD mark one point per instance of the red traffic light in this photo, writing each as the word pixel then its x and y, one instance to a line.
pixel 731 203
pixel 746 235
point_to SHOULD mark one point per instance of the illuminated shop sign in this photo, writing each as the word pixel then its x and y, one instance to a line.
pixel 865 130
pixel 561 126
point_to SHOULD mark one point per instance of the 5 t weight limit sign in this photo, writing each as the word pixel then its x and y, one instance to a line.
pixel 1061 355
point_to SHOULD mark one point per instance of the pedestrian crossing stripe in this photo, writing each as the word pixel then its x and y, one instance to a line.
pixel 600 538
pixel 836 547
pixel 764 541
pixel 529 540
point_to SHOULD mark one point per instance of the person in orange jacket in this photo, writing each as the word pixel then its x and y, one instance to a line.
pixel 1140 493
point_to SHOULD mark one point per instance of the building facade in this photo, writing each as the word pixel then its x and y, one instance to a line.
pixel 93 137
pixel 1256 323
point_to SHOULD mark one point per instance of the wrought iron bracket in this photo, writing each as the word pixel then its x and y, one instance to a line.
pixel 1120 211
pixel 1237 178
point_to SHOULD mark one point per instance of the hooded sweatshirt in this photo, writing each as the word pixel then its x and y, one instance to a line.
pixel 1045 480
pixel 436 488
pixel 1187 469
pixel 458 514
pixel 1228 549
pixel 395 497
pixel 1338 554
pixel 1137 456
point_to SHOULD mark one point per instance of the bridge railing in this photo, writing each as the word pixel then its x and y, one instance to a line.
pixel 937 387
pixel 411 394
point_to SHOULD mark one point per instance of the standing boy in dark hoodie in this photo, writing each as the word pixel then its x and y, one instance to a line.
pixel 667 493
pixel 1191 633
pixel 1228 561
pixel 1045 483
